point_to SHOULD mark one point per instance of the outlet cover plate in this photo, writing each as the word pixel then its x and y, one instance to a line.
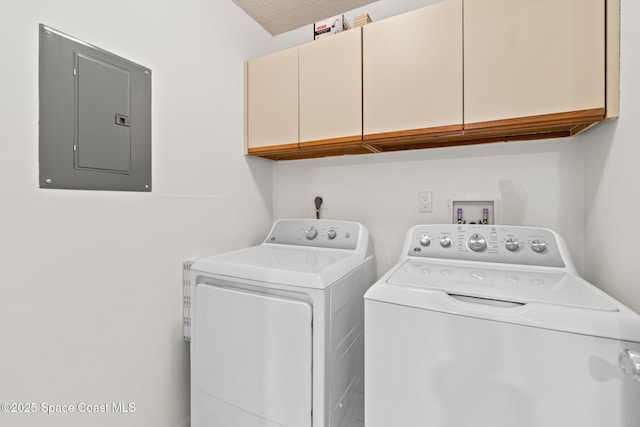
pixel 425 202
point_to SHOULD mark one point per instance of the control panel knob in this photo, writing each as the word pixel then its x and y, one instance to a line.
pixel 477 242
pixel 311 233
pixel 331 234
pixel 512 244
pixel 425 240
pixel 538 245
pixel 445 241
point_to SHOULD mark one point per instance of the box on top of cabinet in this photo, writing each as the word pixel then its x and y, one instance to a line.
pixel 329 26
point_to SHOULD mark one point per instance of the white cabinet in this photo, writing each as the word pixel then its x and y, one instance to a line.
pixel 306 98
pixel 331 90
pixel 412 73
pixel 524 59
pixel 453 73
pixel 272 102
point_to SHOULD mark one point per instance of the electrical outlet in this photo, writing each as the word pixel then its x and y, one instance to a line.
pixel 424 202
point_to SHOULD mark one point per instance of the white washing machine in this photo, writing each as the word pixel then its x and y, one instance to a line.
pixel 276 330
pixel 491 326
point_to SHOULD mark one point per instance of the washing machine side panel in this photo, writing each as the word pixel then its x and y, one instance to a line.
pixel 429 368
pixel 252 359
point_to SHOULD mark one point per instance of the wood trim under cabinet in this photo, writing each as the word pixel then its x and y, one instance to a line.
pixel 272 149
pixel 544 126
pixel 347 141
pixel 407 136
pixel 322 152
pixel 537 122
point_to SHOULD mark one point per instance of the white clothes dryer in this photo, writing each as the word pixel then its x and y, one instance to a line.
pixel 491 326
pixel 277 330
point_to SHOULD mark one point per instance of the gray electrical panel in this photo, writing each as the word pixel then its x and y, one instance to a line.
pixel 95 117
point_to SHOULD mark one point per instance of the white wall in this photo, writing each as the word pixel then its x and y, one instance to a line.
pixel 612 198
pixel 90 282
pixel 541 184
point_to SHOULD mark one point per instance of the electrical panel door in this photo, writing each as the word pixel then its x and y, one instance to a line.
pixel 95 117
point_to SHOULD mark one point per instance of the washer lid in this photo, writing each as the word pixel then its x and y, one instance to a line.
pixel 510 285
pixel 528 297
pixel 315 268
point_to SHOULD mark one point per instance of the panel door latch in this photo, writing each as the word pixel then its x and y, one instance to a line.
pixel 122 120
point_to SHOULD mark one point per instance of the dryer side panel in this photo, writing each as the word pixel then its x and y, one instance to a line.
pixel 252 360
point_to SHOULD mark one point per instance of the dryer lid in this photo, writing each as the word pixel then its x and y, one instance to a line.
pixel 316 268
pixel 508 284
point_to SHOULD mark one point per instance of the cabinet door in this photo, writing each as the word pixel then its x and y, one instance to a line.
pixel 412 71
pixel 331 90
pixel 525 58
pixel 272 100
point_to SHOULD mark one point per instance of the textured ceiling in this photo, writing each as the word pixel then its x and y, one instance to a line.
pixel 280 16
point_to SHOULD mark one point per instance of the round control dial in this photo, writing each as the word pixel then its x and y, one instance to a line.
pixel 425 240
pixel 331 234
pixel 445 241
pixel 538 245
pixel 311 233
pixel 477 242
pixel 512 244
